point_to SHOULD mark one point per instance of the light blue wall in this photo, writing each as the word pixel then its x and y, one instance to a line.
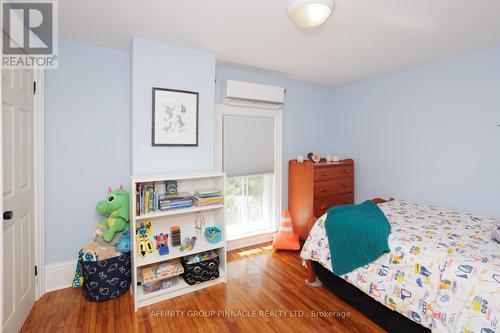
pixel 160 65
pixel 428 134
pixel 86 141
pixel 306 112
pixel 98 126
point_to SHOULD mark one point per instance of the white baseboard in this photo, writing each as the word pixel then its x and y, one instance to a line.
pixel 249 241
pixel 59 275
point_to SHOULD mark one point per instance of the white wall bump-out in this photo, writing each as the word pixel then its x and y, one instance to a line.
pixel 161 65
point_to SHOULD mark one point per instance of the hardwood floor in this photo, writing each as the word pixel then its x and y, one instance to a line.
pixel 265 292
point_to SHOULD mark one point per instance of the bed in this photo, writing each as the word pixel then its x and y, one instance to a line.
pixel 442 271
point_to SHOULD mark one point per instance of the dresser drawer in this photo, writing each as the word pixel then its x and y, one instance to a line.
pixel 322 205
pixel 333 172
pixel 328 188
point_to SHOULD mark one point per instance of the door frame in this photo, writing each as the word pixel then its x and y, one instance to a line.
pixel 38 135
pixel 1 188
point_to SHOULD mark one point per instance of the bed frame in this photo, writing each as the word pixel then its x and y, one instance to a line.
pixel 386 318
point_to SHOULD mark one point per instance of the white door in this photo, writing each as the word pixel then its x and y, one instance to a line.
pixel 18 197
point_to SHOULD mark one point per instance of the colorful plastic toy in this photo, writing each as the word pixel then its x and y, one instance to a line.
pixel 144 244
pixel 116 207
pixel 188 244
pixel 175 235
pixel 171 186
pixel 162 243
pixel 213 234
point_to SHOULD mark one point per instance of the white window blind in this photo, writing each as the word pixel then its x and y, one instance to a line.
pixel 248 145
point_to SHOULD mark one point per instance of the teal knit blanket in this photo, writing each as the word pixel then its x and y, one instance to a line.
pixel 357 235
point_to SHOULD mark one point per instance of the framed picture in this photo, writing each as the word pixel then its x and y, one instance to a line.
pixel 175 117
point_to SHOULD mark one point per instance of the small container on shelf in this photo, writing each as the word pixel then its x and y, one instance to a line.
pixel 200 267
pixel 154 273
pixel 149 288
pixel 213 235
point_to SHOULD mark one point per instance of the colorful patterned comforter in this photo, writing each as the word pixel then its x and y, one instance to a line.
pixel 443 270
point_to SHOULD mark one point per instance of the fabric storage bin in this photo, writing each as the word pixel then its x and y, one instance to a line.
pixel 202 271
pixel 106 279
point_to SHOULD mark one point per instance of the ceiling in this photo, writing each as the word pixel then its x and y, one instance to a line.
pixel 362 38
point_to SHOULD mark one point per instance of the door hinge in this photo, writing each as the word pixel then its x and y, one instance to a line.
pixel 34 87
pixel 36 270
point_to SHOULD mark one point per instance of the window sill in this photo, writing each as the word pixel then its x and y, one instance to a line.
pixel 250 239
pixel 251 234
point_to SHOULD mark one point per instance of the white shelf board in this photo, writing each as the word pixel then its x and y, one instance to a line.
pixel 179 289
pixel 175 252
pixel 178 211
pixel 144 178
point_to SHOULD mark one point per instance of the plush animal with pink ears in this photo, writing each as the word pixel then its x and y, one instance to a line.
pixel 116 207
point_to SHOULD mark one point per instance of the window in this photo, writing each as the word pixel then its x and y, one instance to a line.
pixel 248 142
pixel 249 204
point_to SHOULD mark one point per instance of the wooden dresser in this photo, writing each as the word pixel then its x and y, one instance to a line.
pixel 313 188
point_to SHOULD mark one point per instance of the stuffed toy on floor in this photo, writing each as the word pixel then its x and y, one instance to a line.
pixel 116 207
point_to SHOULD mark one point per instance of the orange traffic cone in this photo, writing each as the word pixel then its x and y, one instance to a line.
pixel 285 238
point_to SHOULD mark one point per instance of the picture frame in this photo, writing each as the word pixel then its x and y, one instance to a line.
pixel 174 117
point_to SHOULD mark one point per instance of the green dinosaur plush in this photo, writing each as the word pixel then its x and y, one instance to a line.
pixel 116 207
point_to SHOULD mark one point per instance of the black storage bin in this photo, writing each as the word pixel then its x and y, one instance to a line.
pixel 106 279
pixel 201 271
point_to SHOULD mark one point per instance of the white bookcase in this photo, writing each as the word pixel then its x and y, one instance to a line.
pixel 184 218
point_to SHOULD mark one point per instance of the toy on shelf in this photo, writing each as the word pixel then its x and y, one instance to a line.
pixel 199 223
pixel 152 287
pixel 144 244
pixel 188 244
pixel 171 186
pixel 213 234
pixel 116 207
pixel 163 276
pixel 175 235
pixel 199 257
pixel 167 269
pixel 162 243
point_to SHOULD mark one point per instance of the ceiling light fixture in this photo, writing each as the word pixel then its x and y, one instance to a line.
pixel 310 14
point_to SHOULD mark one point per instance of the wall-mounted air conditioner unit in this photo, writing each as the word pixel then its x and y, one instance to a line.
pixel 254 95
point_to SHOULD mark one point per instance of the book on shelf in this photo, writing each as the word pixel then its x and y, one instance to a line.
pixel 172 201
pixel 208 201
pixel 208 193
pixel 208 197
pixel 149 200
